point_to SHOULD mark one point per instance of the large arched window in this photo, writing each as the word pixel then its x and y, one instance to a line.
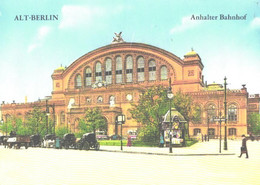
pixel 119 72
pixel 108 71
pixel 211 112
pixel 164 73
pixel 140 69
pixel 232 113
pixel 98 72
pixel 88 75
pixel 129 69
pixel 62 118
pixel 152 70
pixel 78 81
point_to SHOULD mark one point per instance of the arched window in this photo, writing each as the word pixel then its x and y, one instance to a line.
pixel 108 71
pixel 152 70
pixel 196 131
pixel 119 71
pixel 129 69
pixel 232 113
pixel 164 73
pixel 98 72
pixel 211 112
pixel 62 118
pixel 232 131
pixel 140 69
pixel 100 99
pixel 78 81
pixel 88 75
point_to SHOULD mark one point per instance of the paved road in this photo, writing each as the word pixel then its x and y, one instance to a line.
pixel 37 166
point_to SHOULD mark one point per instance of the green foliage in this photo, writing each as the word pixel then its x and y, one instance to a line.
pixel 8 126
pixel 254 123
pixel 36 122
pixel 153 104
pixel 92 121
pixel 60 131
pixel 184 104
pixel 196 117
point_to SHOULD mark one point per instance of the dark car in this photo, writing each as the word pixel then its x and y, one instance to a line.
pixel 35 140
pixel 115 137
pixel 88 141
pixel 69 141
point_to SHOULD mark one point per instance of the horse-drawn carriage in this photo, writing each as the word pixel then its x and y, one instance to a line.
pixel 88 141
pixel 18 141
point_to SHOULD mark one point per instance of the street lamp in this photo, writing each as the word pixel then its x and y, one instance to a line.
pixel 208 129
pixel 121 121
pixel 170 96
pixel 225 106
pixel 48 114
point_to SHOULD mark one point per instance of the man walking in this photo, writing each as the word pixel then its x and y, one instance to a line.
pixel 243 147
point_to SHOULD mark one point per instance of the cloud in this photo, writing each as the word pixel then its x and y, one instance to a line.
pixel 39 38
pixel 73 15
pixel 255 23
pixel 186 23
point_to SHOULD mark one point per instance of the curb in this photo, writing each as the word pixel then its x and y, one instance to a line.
pixel 165 154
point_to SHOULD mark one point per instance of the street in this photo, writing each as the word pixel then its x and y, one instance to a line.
pixel 66 167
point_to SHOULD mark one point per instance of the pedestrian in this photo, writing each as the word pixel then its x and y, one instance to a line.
pixel 205 137
pixel 161 141
pixel 243 147
pixel 129 141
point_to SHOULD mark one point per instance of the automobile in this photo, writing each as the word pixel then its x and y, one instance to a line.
pixel 48 141
pixel 69 141
pixel 101 135
pixel 88 141
pixel 115 137
pixel 35 140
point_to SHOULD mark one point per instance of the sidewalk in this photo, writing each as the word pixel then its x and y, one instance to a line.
pixel 198 149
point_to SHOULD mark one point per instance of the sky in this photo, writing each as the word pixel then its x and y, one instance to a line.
pixel 31 50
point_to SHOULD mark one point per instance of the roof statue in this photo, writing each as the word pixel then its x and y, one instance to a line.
pixel 118 38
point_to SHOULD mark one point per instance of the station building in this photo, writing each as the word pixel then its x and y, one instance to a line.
pixel 114 76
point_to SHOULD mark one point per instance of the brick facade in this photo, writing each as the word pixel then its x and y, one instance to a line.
pixel 93 81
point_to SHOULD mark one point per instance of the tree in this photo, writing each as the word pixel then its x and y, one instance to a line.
pixel 254 123
pixel 184 104
pixel 61 131
pixel 196 118
pixel 153 104
pixel 92 121
pixel 36 122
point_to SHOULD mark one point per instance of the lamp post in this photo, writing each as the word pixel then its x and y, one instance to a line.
pixel 225 107
pixel 170 96
pixel 121 121
pixel 48 113
pixel 219 119
pixel 208 128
